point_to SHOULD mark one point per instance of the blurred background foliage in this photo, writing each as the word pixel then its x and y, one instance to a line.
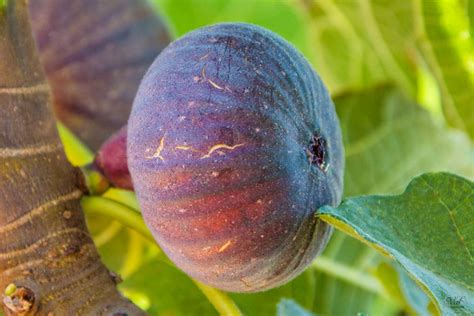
pixel 401 74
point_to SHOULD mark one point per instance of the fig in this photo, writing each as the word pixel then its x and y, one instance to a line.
pixel 233 144
pixel 94 54
pixel 111 160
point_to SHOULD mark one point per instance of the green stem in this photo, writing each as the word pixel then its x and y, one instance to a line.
pixel 118 211
pixel 95 181
pixel 366 258
pixel 135 254
pixel 349 275
pixel 123 196
pixel 107 234
pixel 221 301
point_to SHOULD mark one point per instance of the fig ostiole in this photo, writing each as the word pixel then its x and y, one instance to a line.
pixel 233 144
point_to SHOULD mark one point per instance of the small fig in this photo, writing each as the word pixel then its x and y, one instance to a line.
pixel 233 144
pixel 94 54
pixel 111 160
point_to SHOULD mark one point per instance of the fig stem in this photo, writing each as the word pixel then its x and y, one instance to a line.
pixel 349 275
pixel 107 234
pixel 77 153
pixel 118 211
pixel 221 302
pixel 95 182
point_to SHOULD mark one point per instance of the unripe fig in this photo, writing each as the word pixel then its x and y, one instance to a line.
pixel 233 144
pixel 94 54
pixel 111 160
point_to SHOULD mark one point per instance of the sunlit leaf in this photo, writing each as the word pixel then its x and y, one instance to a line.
pixel 357 44
pixel 77 152
pixel 447 45
pixel 166 291
pixel 280 16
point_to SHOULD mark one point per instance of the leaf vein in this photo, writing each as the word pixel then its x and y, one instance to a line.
pixel 453 220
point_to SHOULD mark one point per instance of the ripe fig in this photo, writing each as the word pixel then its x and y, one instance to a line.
pixel 233 144
pixel 94 54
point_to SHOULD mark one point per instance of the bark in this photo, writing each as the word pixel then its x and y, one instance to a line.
pixel 45 248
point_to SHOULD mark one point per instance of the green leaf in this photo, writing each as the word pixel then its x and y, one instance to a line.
pixel 302 290
pixel 162 289
pixel 402 287
pixel 388 140
pixel 349 54
pixel 149 279
pixel 288 307
pixel 447 45
pixel 470 12
pixel 77 152
pixel 188 15
pixel 427 229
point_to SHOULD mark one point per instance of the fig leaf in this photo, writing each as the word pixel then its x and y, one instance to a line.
pixel 423 229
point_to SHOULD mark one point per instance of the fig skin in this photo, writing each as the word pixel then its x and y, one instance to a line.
pixel 94 54
pixel 233 144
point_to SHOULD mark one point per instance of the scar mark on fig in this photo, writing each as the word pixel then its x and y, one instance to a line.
pixel 183 147
pixel 158 151
pixel 245 283
pixel 212 83
pixel 215 85
pixel 220 146
pixel 224 246
pixel 203 73
pixel 204 57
